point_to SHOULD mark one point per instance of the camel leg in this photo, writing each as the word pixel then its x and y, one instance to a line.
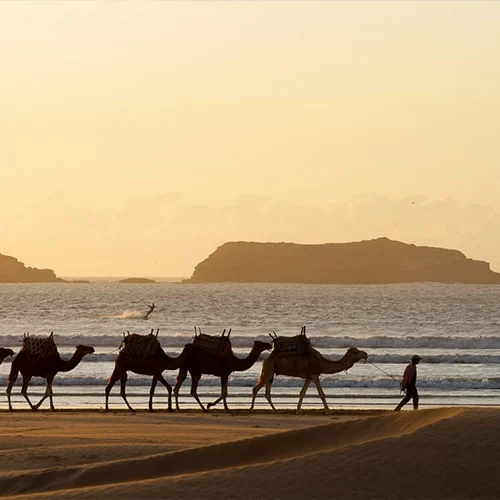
pixel 151 392
pixel 111 382
pixel 12 381
pixel 169 389
pixel 48 394
pixel 266 376
pixel 303 391
pixel 255 391
pixel 123 384
pixel 51 395
pixel 317 383
pixel 24 391
pixel 268 394
pixel 44 397
pixel 194 387
pixel 180 379
pixel 223 394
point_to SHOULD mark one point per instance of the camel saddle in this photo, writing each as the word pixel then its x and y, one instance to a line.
pixel 135 344
pixel 298 345
pixel 218 345
pixel 41 347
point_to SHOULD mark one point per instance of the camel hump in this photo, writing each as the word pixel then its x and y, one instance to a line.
pixel 44 347
pixel 140 345
pixel 219 345
pixel 298 345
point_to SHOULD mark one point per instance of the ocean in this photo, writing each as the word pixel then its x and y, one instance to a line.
pixel 454 328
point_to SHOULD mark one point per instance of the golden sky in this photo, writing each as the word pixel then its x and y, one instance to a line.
pixel 136 137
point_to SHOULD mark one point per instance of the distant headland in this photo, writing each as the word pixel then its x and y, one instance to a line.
pixel 137 280
pixel 378 261
pixel 13 271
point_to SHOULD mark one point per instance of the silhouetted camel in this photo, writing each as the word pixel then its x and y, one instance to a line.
pixel 198 361
pixel 309 367
pixel 5 353
pixel 153 365
pixel 46 368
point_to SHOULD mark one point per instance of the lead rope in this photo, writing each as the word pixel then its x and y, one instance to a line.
pixel 383 371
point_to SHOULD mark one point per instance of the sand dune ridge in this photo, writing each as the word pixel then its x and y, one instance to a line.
pixel 284 446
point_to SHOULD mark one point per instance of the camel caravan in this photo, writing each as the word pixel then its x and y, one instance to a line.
pixel 206 354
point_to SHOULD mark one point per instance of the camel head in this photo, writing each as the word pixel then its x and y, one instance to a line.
pixel 262 346
pixel 355 354
pixel 5 353
pixel 84 350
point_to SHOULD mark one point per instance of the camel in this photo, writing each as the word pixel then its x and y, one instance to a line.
pixel 5 353
pixel 198 361
pixel 308 367
pixel 46 368
pixel 153 365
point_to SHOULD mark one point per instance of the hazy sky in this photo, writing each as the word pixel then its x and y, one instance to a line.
pixel 136 137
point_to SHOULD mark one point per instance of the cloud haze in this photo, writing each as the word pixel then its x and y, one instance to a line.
pixel 168 234
pixel 136 137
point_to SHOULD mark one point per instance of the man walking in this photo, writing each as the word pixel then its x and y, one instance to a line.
pixel 409 384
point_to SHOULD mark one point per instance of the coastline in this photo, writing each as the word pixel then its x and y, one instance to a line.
pixel 432 454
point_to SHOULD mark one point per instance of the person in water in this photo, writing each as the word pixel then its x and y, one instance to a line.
pixel 150 310
pixel 409 384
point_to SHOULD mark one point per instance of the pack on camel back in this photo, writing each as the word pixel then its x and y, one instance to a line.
pixel 215 344
pixel 38 348
pixel 140 346
pixel 298 345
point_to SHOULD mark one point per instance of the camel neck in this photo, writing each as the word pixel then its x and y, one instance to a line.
pixel 68 365
pixel 170 363
pixel 240 365
pixel 344 363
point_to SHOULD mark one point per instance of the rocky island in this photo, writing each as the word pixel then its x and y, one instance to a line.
pixel 377 261
pixel 13 271
pixel 137 280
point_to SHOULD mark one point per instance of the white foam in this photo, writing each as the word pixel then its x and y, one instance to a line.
pixel 443 384
pixel 378 341
pixel 126 315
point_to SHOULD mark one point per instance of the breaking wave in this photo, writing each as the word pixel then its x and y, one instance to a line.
pixel 482 342
pixel 126 315
pixel 450 358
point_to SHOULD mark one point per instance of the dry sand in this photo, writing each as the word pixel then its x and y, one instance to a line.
pixel 429 454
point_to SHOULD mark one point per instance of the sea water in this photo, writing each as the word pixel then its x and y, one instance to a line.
pixel 454 328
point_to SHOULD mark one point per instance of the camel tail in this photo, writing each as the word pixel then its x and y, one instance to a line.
pixel 268 371
pixel 262 378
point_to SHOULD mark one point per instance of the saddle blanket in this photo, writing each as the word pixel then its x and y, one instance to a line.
pixel 40 346
pixel 298 345
pixel 140 345
pixel 219 345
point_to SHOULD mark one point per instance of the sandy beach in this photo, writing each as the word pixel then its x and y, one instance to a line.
pixel 439 453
